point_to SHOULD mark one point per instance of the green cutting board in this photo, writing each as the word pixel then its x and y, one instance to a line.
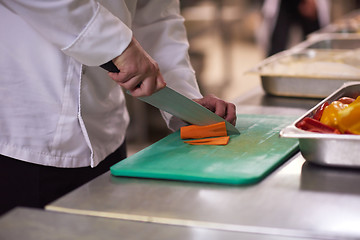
pixel 248 158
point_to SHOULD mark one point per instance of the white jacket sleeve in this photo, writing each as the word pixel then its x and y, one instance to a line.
pixel 159 28
pixel 75 27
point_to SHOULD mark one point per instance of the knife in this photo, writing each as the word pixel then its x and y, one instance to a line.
pixel 180 106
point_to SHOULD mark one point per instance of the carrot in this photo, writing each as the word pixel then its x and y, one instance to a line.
pixel 210 141
pixel 196 131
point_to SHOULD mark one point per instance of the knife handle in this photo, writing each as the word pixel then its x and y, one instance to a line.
pixel 110 66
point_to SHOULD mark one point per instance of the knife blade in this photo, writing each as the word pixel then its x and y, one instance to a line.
pixel 170 101
pixel 186 109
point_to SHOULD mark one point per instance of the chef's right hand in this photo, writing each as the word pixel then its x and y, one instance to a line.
pixel 139 73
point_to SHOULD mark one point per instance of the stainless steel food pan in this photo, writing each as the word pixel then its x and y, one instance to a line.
pixel 314 84
pixel 307 87
pixel 341 150
pixel 330 42
pixel 336 42
pixel 337 30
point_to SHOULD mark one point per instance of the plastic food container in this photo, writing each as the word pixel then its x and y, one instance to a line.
pixel 338 150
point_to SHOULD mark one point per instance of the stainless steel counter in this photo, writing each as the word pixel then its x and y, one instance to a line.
pixel 33 224
pixel 296 200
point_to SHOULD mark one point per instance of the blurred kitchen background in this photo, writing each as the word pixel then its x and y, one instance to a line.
pixel 223 46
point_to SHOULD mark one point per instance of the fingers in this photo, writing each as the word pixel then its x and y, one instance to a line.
pixel 231 114
pixel 148 87
pixel 139 85
pixel 126 80
pixel 143 88
pixel 160 82
pixel 226 110
pixel 220 107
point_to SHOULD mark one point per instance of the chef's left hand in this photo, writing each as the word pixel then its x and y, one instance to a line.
pixel 222 108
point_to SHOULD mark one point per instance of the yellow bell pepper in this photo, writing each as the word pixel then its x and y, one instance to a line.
pixel 357 100
pixel 344 117
pixel 349 118
pixel 330 115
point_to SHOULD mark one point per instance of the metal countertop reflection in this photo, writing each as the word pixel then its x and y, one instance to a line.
pixel 33 224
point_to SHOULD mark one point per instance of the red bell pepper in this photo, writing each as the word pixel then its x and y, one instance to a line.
pixel 346 100
pixel 320 111
pixel 313 125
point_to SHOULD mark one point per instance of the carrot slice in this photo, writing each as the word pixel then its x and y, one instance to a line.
pixel 196 131
pixel 210 141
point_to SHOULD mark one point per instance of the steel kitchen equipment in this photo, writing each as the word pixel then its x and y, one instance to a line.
pixel 304 71
pixel 341 150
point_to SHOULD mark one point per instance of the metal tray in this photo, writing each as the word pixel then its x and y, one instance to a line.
pixel 331 42
pixel 339 150
pixel 339 30
pixel 349 24
pixel 308 85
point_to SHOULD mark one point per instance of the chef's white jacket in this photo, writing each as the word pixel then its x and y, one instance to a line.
pixel 57 107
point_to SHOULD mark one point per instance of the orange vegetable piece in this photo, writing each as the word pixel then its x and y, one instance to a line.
pixel 210 141
pixel 196 131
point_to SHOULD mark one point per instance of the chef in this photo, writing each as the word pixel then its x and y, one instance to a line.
pixel 63 118
pixel 280 16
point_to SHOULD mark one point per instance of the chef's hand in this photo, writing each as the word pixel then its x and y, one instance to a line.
pixel 224 109
pixel 139 73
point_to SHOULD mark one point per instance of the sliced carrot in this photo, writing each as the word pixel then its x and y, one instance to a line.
pixel 210 141
pixel 196 131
